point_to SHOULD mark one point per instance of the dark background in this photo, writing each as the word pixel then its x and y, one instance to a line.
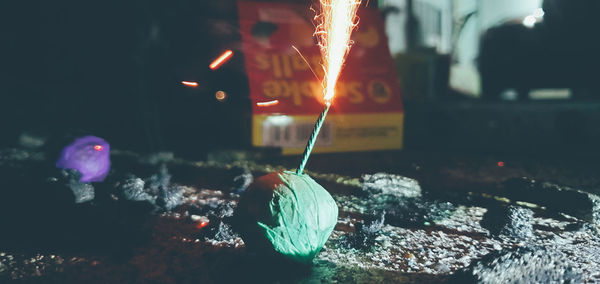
pixel 114 69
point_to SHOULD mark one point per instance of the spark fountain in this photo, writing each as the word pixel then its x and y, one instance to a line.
pixel 288 213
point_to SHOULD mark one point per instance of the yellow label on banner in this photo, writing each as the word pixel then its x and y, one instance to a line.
pixel 340 133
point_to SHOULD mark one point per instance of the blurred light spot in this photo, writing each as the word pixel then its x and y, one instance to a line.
pixel 267 104
pixel 538 13
pixel 221 59
pixel 220 96
pixel 500 164
pixel 98 147
pixel 190 84
pixel 550 94
pixel 509 95
pixel 201 224
pixel 279 120
pixel 529 21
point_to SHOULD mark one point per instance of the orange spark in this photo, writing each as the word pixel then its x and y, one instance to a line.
pixel 201 224
pixel 221 59
pixel 190 84
pixel 267 104
pixel 335 25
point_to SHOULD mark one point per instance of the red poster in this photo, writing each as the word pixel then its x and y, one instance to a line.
pixel 367 110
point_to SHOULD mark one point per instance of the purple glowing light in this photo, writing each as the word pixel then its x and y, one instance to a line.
pixel 90 155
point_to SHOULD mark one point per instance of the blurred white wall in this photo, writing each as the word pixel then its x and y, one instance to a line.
pixel 395 24
pixel 435 20
pixel 440 22
pixel 464 75
pixel 494 12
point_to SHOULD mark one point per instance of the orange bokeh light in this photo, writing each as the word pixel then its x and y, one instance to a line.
pixel 201 225
pixel 220 96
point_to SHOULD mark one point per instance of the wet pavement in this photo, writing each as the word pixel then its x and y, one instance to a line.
pixel 159 219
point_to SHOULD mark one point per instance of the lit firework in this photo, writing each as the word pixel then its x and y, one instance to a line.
pixel 335 25
pixel 336 22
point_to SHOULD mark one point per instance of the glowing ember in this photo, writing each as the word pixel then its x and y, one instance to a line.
pixel 220 96
pixel 201 224
pixel 221 60
pixel 335 25
pixel 267 104
pixel 98 147
pixel 190 84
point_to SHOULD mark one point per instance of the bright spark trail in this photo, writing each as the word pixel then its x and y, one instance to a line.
pixel 268 104
pixel 221 60
pixel 336 21
pixel 190 84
